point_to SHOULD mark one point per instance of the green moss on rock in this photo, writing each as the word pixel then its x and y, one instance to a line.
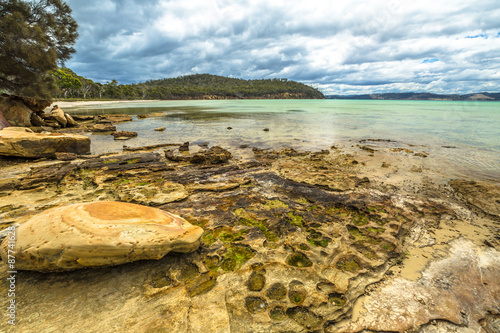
pixel 256 281
pixel 276 291
pixel 277 313
pixel 255 304
pixel 235 257
pixel 298 259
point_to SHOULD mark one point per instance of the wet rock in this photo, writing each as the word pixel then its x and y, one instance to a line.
pixel 298 259
pixel 304 317
pixel 102 128
pixel 99 234
pixel 22 142
pixel 276 291
pixel 58 114
pixel 215 155
pixel 124 135
pixel 82 117
pixel 255 304
pixel 142 116
pixel 184 147
pixel 256 281
pixel 482 195
pixel 115 118
pixel 448 291
pixel 277 313
pixel 160 129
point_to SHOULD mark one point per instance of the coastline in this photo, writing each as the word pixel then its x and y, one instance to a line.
pixel 382 194
pixel 66 104
pixel 341 236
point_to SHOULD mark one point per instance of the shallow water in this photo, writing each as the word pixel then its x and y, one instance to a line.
pixel 472 128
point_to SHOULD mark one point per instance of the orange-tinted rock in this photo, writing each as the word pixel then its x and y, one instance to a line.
pixel 99 234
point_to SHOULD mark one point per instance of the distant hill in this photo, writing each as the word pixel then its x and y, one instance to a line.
pixel 198 86
pixel 422 97
pixel 206 86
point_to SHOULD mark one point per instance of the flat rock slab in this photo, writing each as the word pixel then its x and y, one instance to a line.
pixel 101 233
pixel 23 142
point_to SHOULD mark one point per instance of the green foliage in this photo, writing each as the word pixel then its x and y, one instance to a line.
pixel 34 36
pixel 199 86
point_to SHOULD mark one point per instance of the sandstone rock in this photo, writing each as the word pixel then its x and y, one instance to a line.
pixel 116 118
pixel 15 111
pixel 160 129
pixel 36 120
pixel 102 128
pixel 71 121
pixel 82 117
pixel 99 234
pixel 52 123
pixel 66 156
pixel 142 116
pixel 58 115
pixel 36 104
pixel 184 147
pixel 481 195
pixel 214 155
pixel 23 142
pixel 124 135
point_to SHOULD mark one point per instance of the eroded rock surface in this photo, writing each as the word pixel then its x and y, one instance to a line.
pixel 281 251
pixel 99 234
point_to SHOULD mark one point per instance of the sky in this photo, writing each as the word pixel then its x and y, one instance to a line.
pixel 340 47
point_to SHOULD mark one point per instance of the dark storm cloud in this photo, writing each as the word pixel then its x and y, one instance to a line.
pixel 355 46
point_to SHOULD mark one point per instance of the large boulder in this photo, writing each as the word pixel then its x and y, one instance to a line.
pixel 99 234
pixel 23 142
pixel 15 111
pixel 36 104
pixel 58 114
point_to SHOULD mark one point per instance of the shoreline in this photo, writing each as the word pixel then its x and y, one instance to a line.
pixel 66 104
pixel 343 228
pixel 419 215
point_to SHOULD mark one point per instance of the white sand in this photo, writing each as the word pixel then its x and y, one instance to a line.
pixel 65 104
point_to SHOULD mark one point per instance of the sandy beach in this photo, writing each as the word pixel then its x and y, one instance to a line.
pixel 66 104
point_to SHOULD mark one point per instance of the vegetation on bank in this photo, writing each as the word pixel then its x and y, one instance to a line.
pixel 35 36
pixel 198 86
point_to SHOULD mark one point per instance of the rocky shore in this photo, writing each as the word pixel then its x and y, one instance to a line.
pixel 363 237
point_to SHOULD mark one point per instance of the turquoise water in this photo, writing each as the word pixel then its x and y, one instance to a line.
pixel 473 128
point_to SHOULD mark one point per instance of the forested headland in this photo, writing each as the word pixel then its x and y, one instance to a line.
pixel 197 86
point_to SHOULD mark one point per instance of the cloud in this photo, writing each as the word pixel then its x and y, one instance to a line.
pixel 353 46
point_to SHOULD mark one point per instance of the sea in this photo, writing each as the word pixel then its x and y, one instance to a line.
pixel 464 134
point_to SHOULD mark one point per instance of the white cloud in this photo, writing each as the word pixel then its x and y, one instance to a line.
pixel 347 47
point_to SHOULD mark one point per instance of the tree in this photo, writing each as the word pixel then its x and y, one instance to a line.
pixel 35 35
pixel 67 81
